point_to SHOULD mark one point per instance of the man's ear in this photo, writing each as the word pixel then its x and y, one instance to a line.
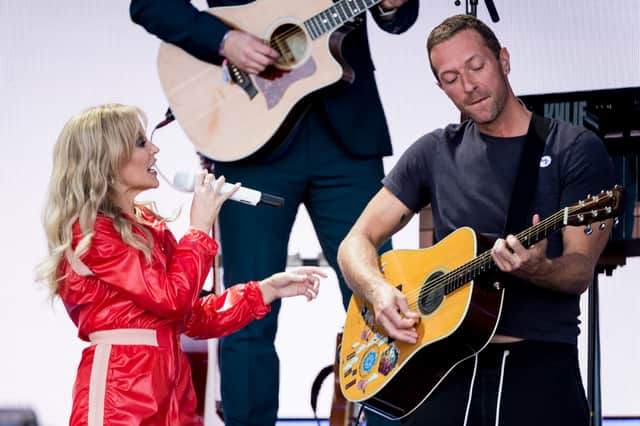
pixel 505 60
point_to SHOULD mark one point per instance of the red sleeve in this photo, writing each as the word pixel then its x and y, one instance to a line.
pixel 219 315
pixel 165 287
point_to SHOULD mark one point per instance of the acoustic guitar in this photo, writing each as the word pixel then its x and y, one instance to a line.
pixel 459 302
pixel 230 115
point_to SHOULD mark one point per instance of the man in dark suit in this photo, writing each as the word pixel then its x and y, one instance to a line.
pixel 331 163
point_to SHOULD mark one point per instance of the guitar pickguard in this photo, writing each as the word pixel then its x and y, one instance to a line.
pixel 274 89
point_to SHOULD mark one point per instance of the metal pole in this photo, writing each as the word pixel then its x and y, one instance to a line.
pixel 472 8
pixel 593 357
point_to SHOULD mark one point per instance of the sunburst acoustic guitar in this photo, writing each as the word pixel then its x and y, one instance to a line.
pixel 459 307
pixel 230 115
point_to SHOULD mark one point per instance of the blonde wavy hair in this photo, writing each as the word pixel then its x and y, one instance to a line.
pixel 87 158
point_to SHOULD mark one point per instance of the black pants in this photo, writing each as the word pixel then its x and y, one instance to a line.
pixel 516 384
pixel 334 187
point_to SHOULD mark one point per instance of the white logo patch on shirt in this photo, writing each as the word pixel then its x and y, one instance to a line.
pixel 545 161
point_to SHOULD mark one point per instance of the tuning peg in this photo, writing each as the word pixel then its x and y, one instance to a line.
pixel 616 221
pixel 602 226
pixel 588 230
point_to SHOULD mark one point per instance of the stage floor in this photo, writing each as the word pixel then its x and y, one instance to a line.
pixel 324 422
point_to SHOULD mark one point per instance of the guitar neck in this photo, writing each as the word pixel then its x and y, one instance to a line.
pixel 484 263
pixel 336 15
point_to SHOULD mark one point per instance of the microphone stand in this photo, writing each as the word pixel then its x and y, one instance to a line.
pixel 472 8
pixel 493 12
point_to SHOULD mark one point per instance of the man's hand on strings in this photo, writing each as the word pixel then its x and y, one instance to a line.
pixel 393 315
pixel 248 52
pixel 512 257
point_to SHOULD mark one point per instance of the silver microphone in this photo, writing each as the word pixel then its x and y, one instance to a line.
pixel 185 182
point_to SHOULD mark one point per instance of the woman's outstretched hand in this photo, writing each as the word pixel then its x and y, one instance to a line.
pixel 303 281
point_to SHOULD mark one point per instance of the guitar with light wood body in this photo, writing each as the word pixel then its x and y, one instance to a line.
pixel 230 115
pixel 459 300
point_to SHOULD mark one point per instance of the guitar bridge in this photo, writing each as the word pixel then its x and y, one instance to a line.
pixel 242 79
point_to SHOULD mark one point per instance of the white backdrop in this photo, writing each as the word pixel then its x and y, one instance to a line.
pixel 57 58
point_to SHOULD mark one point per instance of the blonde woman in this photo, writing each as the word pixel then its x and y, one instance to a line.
pixel 127 284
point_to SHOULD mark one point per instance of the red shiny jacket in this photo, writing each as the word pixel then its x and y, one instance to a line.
pixel 133 312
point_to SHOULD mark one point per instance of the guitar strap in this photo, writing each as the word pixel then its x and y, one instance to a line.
pixel 521 205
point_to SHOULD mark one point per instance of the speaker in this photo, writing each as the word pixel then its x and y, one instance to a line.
pixel 17 417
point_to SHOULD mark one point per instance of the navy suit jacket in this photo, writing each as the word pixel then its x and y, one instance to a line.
pixel 354 110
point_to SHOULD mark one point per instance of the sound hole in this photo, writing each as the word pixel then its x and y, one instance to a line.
pixel 430 299
pixel 292 44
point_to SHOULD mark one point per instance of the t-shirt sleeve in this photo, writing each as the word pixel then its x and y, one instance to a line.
pixel 408 180
pixel 588 169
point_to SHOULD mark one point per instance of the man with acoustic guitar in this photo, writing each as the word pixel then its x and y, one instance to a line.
pixel 331 161
pixel 474 174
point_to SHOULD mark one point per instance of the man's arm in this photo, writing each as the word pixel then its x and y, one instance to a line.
pixel 384 215
pixel 570 273
pixel 201 34
pixel 587 169
pixel 179 22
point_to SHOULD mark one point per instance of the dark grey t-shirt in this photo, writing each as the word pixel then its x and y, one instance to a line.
pixel 468 178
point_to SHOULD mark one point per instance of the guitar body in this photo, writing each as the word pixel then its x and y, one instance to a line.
pixel 392 377
pixel 222 120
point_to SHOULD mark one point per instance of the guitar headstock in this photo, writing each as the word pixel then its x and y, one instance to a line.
pixel 599 207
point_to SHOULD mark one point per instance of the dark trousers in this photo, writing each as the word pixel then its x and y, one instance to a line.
pixel 519 384
pixel 334 187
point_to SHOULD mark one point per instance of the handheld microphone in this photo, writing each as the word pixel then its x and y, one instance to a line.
pixel 185 182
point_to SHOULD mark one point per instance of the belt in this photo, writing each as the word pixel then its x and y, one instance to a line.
pixel 103 341
pixel 125 336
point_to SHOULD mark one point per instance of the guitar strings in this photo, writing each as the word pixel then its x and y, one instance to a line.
pixel 273 42
pixel 463 269
pixel 549 223
pixel 483 259
pixel 289 32
pixel 297 28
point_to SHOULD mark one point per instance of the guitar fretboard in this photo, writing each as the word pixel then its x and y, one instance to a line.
pixel 484 263
pixel 336 15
